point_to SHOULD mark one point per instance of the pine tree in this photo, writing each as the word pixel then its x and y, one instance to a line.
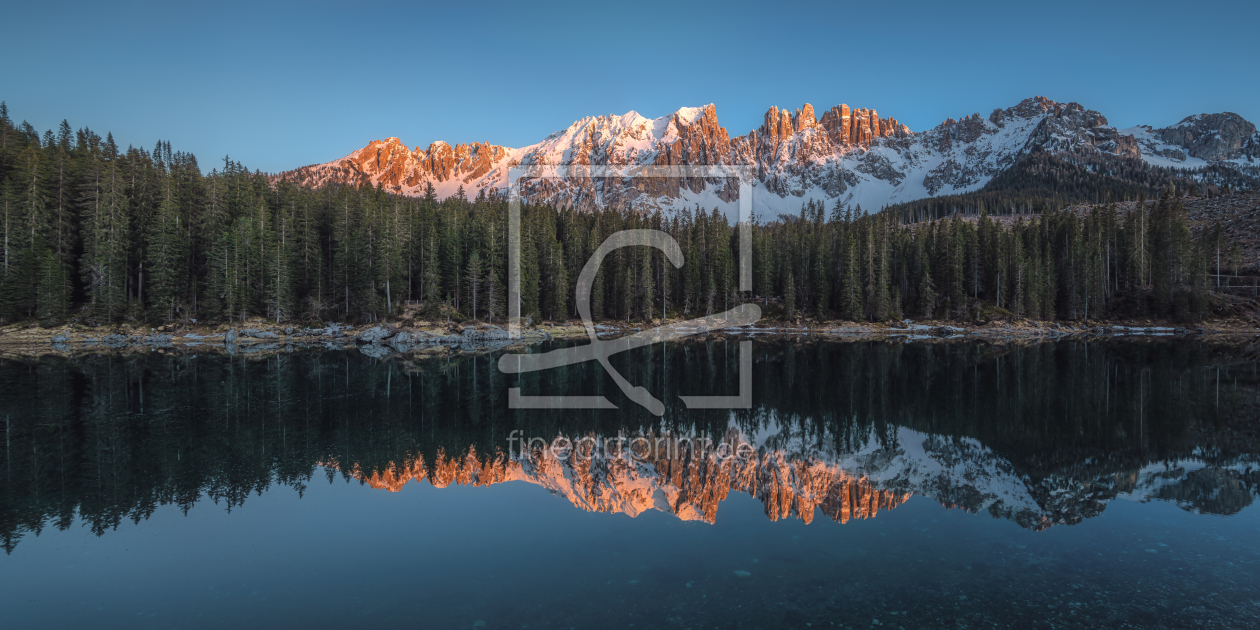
pixel 789 297
pixel 593 241
pixel 926 288
pixel 646 289
pixel 279 273
pixel 429 276
pixel 955 247
pixel 628 297
pixel 882 307
pixel 530 306
pixel 166 252
pixel 106 240
pixel 53 290
pixel 473 277
pixel 493 273
pixel 818 273
pixel 851 307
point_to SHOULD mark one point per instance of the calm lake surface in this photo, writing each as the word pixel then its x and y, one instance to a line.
pixel 873 484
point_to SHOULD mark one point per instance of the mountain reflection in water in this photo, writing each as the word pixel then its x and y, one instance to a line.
pixel 1041 435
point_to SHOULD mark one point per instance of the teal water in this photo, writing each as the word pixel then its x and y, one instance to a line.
pixel 1064 485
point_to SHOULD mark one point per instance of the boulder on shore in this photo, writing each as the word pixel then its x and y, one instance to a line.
pixel 375 334
pixel 485 333
pixel 259 334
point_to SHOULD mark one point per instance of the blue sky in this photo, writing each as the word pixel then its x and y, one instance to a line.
pixel 279 85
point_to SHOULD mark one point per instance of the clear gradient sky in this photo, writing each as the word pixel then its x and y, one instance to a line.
pixel 280 85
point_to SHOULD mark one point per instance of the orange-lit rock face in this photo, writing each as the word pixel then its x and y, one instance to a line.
pixel 686 486
pixel 788 141
pixel 394 478
pixel 390 163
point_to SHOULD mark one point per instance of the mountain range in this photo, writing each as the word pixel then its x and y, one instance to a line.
pixel 848 157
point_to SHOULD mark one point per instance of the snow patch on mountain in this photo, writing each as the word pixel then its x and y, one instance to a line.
pixel 1156 152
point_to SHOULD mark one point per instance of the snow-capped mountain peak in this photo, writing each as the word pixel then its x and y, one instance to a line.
pixel 846 156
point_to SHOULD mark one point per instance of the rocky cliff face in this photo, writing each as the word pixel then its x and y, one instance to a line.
pixel 849 156
pixel 1200 140
pixel 389 163
pixel 1225 136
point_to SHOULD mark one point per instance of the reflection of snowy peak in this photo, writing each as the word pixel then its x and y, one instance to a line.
pixel 1198 487
pixel 682 483
pixel 957 472
pixel 793 477
pixel 847 156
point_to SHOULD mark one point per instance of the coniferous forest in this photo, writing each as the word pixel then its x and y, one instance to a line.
pixel 96 234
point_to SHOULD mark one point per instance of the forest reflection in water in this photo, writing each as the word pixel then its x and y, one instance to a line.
pixel 1042 435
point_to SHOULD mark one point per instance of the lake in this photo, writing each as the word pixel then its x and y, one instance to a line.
pixel 872 484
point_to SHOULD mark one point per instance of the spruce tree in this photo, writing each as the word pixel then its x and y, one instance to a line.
pixel 106 244
pixel 473 277
pixel 926 288
pixel 789 297
pixel 53 289
pixel 166 252
pixel 646 289
pixel 851 307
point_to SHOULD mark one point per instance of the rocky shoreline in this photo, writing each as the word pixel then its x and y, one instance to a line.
pixel 430 339
pixel 380 341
